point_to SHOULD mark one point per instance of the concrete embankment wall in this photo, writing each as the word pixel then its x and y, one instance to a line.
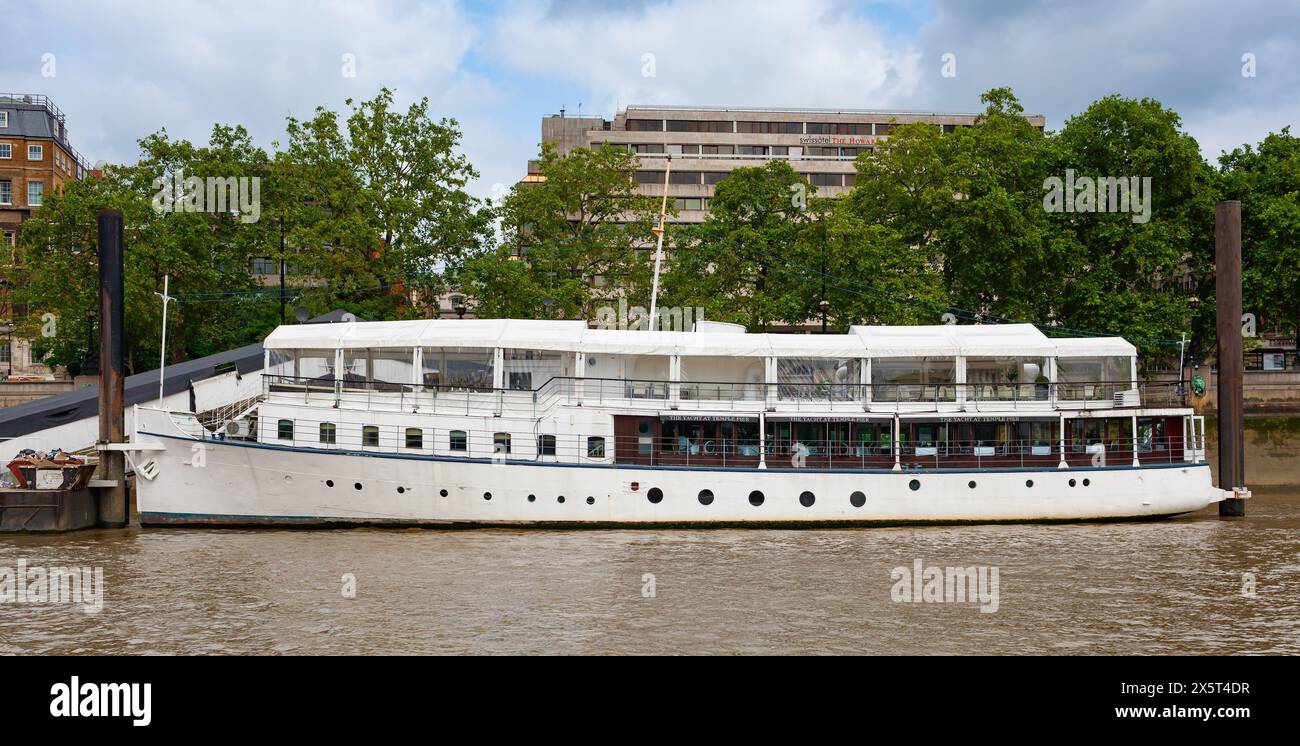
pixel 20 392
pixel 1264 392
pixel 1272 450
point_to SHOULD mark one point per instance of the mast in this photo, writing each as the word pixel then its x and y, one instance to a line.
pixel 659 248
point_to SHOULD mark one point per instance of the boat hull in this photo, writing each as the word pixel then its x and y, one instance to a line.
pixel 214 482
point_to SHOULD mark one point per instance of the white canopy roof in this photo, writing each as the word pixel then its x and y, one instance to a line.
pixel 1093 347
pixel 1002 340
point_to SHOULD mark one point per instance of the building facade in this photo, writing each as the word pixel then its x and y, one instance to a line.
pixel 36 159
pixel 707 143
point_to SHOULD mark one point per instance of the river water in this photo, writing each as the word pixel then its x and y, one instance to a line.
pixel 1177 586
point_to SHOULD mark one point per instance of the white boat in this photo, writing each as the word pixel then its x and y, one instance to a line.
pixel 550 423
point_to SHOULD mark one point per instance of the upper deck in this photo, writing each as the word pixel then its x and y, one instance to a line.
pixel 526 368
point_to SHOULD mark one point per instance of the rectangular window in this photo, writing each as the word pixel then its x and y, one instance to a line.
pixel 689 149
pixel 370 435
pixel 684 177
pixel 264 266
pixel 327 432
pixel 771 128
pixel 649 177
pixel 414 437
pixel 35 191
pixel 458 441
pixel 35 152
pixel 751 149
pixel 596 447
pixel 715 177
pixel 645 125
pixel 285 430
pixel 717 150
pixel 5 354
pixel 4 119
pixel 546 445
pixel 6 192
pixel 501 443
pixel 6 150
pixel 826 179
pixel 693 125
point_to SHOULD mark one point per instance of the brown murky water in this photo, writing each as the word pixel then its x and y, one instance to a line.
pixel 1170 587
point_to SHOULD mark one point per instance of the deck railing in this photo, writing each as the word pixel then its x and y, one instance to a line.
pixel 723 395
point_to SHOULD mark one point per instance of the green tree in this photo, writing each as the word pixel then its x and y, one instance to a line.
pixel 731 264
pixel 1118 271
pixel 378 208
pixel 569 241
pixel 1266 179
pixel 202 252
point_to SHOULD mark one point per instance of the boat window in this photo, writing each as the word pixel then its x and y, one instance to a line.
pixel 526 370
pixel 500 443
pixel 285 430
pixel 458 441
pixel 317 365
pixel 1091 378
pixel 370 435
pixel 464 368
pixel 546 445
pixel 818 379
pixel 414 437
pixel 914 379
pixel 596 447
pixel 327 431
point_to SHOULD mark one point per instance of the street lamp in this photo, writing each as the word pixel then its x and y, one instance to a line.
pixel 458 305
pixel 824 305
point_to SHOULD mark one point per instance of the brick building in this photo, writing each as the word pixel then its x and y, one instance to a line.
pixel 36 159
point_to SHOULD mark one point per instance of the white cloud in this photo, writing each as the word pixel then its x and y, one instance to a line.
pixel 129 69
pixel 1060 57
pixel 723 52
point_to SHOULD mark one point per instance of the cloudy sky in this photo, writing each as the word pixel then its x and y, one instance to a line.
pixel 123 70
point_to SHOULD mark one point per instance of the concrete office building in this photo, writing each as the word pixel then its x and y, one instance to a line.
pixel 706 143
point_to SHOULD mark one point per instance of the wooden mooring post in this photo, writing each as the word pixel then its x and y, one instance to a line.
pixel 111 478
pixel 1228 325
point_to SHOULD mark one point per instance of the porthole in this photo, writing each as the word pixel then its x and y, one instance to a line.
pixel 560 499
pixel 487 495
pixel 1087 482
pixel 756 498
pixel 914 485
pixel 591 500
pixel 357 485
pixel 706 497
pixel 807 499
pixel 1072 482
pixel 532 498
pixel 857 499
pixel 971 484
pixel 442 493
pixel 401 490
pixel 655 495
pixel 329 482
pixel 1029 483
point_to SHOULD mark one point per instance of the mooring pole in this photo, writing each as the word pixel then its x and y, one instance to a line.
pixel 1227 279
pixel 112 418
